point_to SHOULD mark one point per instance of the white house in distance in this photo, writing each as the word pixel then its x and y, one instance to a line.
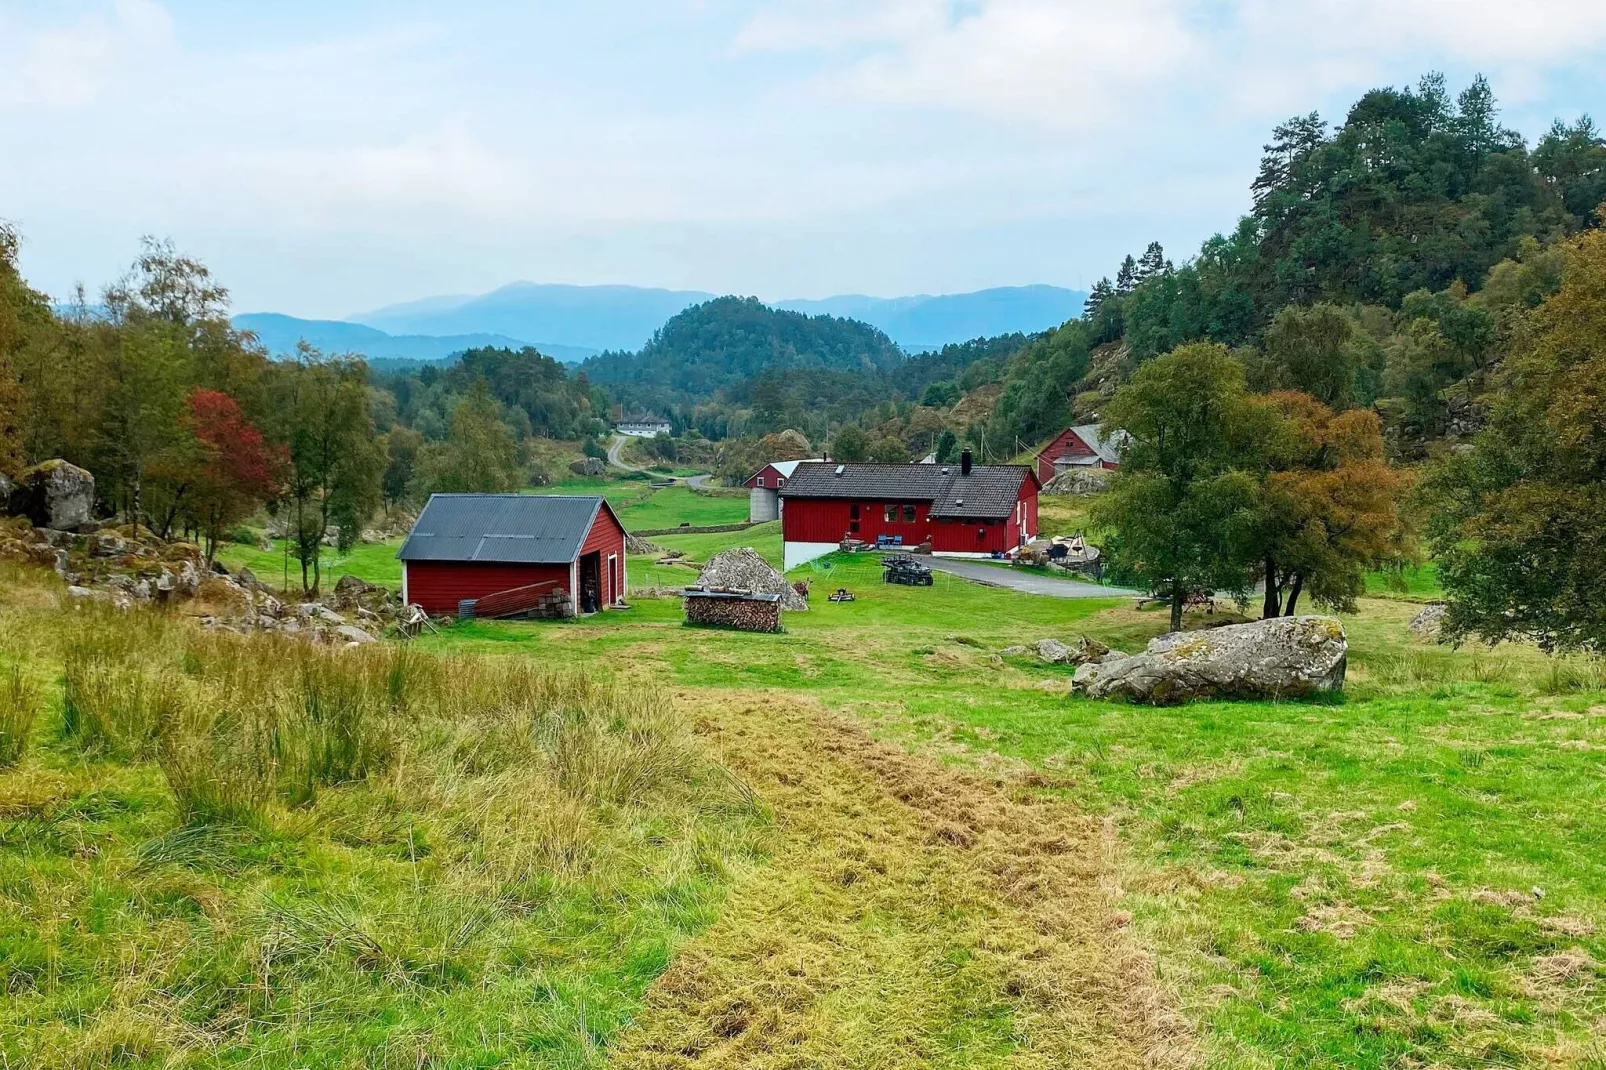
pixel 644 426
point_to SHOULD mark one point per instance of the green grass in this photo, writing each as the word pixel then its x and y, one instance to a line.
pixel 1332 883
pixel 673 506
pixel 646 572
pixel 1414 583
pixel 374 562
pixel 492 864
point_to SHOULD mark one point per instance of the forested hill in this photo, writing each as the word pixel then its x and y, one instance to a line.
pixel 721 343
pixel 1383 265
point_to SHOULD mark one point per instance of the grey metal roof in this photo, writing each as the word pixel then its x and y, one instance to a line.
pixel 988 491
pixel 1108 447
pixel 514 529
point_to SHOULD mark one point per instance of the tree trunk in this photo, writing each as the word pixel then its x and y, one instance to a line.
pixel 1272 606
pixel 1178 597
pixel 1293 594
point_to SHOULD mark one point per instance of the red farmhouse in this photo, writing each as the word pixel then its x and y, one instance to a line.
pixel 962 510
pixel 1079 447
pixel 471 546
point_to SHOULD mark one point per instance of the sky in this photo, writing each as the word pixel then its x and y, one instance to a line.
pixel 325 157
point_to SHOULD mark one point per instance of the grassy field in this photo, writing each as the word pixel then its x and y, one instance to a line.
pixel 673 506
pixel 968 867
pixel 1343 883
pixel 374 562
pixel 216 851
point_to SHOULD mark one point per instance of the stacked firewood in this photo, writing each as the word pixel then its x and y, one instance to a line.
pixel 743 612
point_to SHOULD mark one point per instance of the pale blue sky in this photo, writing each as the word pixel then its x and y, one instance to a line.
pixel 327 157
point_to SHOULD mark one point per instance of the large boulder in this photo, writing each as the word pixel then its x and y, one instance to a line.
pixel 1078 481
pixel 1276 658
pixel 54 494
pixel 589 466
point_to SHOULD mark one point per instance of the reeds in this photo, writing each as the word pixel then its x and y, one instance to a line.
pixel 19 707
pixel 236 723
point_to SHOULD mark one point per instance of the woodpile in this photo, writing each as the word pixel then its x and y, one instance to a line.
pixel 732 609
pixel 743 569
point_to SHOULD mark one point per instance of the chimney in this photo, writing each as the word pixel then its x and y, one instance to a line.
pixel 964 463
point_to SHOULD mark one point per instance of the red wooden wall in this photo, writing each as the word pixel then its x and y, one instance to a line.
pixel 439 585
pixel 828 520
pixel 607 537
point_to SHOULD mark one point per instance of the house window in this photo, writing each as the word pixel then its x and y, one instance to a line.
pixel 760 481
pixel 889 513
pixel 853 511
pixel 780 481
pixel 908 514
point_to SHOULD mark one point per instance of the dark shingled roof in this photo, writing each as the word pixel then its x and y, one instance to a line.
pixel 989 491
pixel 512 529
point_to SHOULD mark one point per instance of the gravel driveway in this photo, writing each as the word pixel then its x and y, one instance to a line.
pixel 1027 582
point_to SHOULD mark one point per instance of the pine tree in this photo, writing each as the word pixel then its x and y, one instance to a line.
pixel 1102 292
pixel 1126 280
pixel 1153 264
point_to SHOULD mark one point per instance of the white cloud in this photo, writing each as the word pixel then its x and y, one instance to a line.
pixel 72 65
pixel 1079 63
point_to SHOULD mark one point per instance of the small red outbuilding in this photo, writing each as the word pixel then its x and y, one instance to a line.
pixel 470 546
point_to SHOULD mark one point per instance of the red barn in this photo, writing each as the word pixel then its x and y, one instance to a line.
pixel 963 510
pixel 764 487
pixel 1079 447
pixel 471 546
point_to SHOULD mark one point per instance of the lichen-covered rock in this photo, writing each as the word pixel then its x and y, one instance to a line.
pixel 353 634
pixel 54 494
pixel 1052 651
pixel 1078 481
pixel 1430 622
pixel 1276 658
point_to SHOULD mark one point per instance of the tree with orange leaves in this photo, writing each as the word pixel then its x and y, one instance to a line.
pixel 1329 508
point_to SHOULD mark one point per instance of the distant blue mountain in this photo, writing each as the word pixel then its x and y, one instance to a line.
pixel 280 334
pixel 594 317
pixel 925 322
pixel 625 317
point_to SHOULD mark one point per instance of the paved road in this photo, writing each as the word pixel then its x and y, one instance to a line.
pixel 1027 582
pixel 614 449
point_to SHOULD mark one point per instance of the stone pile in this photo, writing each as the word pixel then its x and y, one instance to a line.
pixel 742 570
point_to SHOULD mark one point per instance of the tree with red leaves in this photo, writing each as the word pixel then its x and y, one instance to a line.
pixel 234 469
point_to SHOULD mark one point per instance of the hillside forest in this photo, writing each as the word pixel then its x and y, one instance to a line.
pixel 1414 291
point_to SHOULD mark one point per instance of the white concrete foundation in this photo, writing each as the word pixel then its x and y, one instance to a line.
pixel 794 554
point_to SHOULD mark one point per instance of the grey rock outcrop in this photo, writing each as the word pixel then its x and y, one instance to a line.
pixel 1053 651
pixel 1078 481
pixel 54 494
pixel 1429 623
pixel 1276 658
pixel 588 466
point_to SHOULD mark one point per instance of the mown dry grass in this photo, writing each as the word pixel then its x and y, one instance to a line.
pixel 912 916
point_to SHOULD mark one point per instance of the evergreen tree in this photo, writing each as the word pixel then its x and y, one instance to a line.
pixel 1126 279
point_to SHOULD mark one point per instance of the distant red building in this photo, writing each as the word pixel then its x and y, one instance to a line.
pixel 764 487
pixel 472 546
pixel 962 510
pixel 1079 447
